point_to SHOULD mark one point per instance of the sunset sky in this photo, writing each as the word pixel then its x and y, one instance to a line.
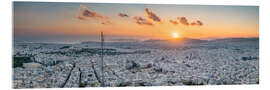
pixel 45 21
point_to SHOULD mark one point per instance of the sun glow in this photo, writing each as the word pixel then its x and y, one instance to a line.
pixel 175 35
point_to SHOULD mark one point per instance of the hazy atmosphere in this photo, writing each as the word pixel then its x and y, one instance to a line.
pixel 82 21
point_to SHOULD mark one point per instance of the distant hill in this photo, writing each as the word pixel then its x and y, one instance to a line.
pixel 171 43
pixel 124 40
pixel 180 40
pixel 89 42
pixel 237 39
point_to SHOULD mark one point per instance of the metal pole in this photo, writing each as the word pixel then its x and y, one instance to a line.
pixel 102 69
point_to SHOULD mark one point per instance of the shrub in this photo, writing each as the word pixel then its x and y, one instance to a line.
pixel 64 47
pixel 158 70
pixel 82 84
pixel 18 61
pixel 124 84
pixel 191 83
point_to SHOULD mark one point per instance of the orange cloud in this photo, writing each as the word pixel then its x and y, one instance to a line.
pixel 80 17
pixel 183 20
pixel 92 14
pixel 142 21
pixel 173 22
pixel 151 15
pixel 123 15
pixel 199 23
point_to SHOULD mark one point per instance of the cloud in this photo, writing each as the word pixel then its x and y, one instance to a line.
pixel 193 23
pixel 183 20
pixel 80 17
pixel 86 13
pixel 106 22
pixel 199 23
pixel 151 15
pixel 142 21
pixel 123 15
pixel 173 22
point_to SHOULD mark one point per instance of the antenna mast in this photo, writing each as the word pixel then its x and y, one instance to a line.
pixel 102 69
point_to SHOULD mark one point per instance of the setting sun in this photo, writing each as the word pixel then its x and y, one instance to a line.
pixel 175 35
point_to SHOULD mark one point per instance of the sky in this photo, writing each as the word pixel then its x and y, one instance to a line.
pixel 85 21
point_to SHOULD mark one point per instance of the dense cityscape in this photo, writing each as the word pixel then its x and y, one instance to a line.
pixel 142 63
